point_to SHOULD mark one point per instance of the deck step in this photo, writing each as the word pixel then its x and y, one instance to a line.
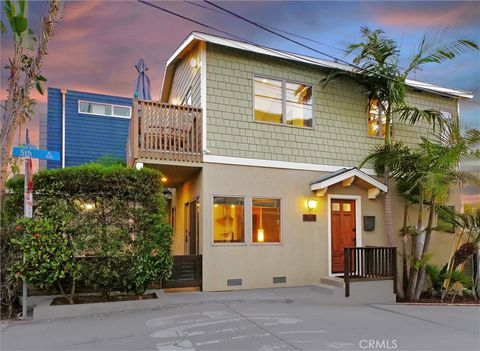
pixel 333 281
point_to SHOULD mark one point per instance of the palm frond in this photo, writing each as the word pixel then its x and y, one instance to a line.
pixel 413 115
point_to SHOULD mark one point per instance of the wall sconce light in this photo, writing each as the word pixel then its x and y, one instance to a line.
pixel 260 235
pixel 194 62
pixel 164 179
pixel 311 204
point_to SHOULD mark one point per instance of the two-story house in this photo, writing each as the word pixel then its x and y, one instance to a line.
pixel 263 158
pixel 86 126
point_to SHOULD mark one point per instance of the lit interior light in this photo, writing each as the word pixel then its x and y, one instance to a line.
pixel 260 235
pixel 164 179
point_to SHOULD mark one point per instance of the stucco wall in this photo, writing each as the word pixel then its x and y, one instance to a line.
pixel 339 135
pixel 187 77
pixel 302 256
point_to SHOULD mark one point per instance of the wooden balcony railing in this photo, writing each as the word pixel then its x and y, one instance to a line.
pixel 164 132
pixel 369 263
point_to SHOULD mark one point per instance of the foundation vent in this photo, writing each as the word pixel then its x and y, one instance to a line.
pixel 279 280
pixel 234 282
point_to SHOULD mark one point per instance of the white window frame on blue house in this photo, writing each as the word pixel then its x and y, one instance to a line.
pixel 105 104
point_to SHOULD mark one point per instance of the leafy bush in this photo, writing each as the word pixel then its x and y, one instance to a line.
pixel 112 218
pixel 48 259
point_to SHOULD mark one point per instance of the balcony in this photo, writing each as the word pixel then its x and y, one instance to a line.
pixel 161 133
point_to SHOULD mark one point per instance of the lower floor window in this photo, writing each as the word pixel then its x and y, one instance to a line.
pixel 228 219
pixel 266 220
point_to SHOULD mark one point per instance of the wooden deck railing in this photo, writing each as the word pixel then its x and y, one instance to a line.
pixel 164 132
pixel 369 263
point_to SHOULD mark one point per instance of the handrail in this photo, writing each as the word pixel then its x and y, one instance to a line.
pixel 160 131
pixel 369 263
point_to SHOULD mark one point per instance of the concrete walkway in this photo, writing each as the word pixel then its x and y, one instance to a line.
pixel 269 319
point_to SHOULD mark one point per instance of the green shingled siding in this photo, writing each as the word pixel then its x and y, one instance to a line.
pixel 339 136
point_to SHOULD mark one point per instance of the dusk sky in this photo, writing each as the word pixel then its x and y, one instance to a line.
pixel 98 42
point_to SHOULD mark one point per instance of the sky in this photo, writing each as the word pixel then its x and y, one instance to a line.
pixel 97 43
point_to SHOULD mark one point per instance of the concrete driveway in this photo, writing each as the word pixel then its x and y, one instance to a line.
pixel 270 319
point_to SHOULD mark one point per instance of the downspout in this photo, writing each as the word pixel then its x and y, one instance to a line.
pixel 64 93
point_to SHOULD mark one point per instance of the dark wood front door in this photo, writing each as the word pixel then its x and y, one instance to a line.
pixel 343 231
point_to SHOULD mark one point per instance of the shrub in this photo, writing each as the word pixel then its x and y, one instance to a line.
pixel 48 259
pixel 112 218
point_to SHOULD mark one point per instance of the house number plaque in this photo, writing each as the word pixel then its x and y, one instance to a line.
pixel 309 217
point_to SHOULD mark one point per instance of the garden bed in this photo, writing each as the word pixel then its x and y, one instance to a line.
pixel 459 300
pixel 78 300
pixel 57 307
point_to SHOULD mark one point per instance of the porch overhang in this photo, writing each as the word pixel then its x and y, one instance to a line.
pixel 348 177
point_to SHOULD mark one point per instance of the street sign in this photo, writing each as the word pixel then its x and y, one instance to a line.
pixel 29 152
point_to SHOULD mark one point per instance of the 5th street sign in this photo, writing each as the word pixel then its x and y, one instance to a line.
pixel 29 152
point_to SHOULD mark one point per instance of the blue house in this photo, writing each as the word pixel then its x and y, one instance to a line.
pixel 85 126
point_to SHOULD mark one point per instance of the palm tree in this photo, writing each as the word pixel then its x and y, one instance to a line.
pixel 435 174
pixel 379 72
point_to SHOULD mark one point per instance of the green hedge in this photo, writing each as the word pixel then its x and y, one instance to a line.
pixel 113 218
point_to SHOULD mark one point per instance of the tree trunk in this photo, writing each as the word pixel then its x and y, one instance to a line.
pixel 417 253
pixel 388 212
pixel 405 247
pixel 426 244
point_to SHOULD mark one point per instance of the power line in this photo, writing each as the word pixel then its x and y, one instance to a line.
pixel 273 28
pixel 241 39
pixel 287 55
pixel 306 46
pixel 283 36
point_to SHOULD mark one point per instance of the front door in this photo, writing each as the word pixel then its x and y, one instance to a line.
pixel 343 231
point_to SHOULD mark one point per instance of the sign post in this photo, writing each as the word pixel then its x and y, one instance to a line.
pixel 28 152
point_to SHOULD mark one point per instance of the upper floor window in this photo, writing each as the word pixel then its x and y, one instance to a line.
pixel 283 102
pixel 96 108
pixel 377 119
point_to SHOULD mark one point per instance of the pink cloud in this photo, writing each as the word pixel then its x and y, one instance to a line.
pixel 418 16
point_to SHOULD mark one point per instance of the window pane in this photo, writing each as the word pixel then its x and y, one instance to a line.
pixel 266 220
pixel 335 206
pixel 268 100
pixel 377 121
pixel 347 207
pixel 121 111
pixel 228 220
pixel 97 109
pixel 299 104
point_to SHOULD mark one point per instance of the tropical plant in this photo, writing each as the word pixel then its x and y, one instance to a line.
pixel 24 72
pixel 379 71
pixel 436 276
pixel 466 244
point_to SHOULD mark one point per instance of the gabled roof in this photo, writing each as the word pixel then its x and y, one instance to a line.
pixel 348 176
pixel 196 37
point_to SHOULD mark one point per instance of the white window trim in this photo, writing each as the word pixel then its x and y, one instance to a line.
pixel 105 104
pixel 358 225
pixel 284 102
pixel 266 243
pixel 245 236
